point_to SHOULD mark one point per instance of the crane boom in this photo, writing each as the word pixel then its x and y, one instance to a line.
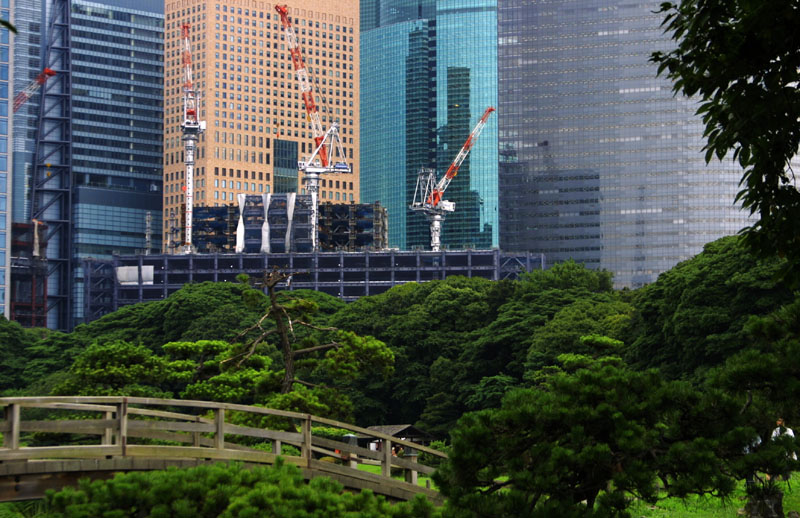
pixel 327 144
pixel 32 88
pixel 428 193
pixel 192 128
pixel 305 85
pixel 452 171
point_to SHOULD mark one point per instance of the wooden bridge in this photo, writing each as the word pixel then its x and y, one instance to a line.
pixel 51 442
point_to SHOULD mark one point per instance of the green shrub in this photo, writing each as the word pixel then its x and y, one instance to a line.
pixel 225 491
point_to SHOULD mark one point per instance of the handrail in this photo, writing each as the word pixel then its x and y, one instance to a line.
pixel 43 401
pixel 123 419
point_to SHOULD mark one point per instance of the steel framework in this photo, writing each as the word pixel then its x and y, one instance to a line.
pixel 52 172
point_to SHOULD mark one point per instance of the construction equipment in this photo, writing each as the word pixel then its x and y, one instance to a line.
pixel 328 155
pixel 32 88
pixel 192 128
pixel 428 192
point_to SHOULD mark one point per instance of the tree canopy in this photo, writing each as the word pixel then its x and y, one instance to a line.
pixel 595 434
pixel 693 317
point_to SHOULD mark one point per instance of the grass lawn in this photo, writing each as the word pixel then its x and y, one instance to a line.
pixel 707 507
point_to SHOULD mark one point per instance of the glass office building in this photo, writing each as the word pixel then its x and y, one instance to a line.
pixel 6 95
pixel 29 18
pixel 117 98
pixel 599 162
pixel 428 72
pixel 106 153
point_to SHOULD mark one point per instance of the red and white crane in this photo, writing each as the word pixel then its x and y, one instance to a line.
pixel 302 77
pixel 428 193
pixel 192 128
pixel 328 155
pixel 32 88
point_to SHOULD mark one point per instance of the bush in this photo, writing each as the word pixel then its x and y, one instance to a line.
pixel 432 460
pixel 225 491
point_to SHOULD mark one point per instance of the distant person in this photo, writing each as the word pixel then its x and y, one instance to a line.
pixel 781 430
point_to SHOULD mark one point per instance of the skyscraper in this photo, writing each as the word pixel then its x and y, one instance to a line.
pixel 599 162
pixel 29 18
pixel 256 122
pixel 96 173
pixel 428 74
pixel 5 162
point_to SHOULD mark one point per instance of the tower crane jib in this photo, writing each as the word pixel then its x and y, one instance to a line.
pixel 22 97
pixel 428 193
pixel 306 90
pixel 328 155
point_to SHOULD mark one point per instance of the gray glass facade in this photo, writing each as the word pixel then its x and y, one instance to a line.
pixel 599 162
pixel 117 98
pixel 28 53
pixel 6 183
pixel 428 72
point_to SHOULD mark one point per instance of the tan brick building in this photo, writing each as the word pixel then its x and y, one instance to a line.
pixel 256 123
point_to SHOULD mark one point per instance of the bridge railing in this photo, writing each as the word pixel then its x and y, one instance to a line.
pixel 118 427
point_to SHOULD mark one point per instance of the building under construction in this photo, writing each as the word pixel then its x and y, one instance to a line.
pixel 281 223
pixel 353 227
pixel 143 278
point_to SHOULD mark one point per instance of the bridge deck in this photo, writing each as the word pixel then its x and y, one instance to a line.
pixel 132 437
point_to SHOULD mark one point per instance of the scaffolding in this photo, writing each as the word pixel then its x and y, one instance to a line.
pixel 29 274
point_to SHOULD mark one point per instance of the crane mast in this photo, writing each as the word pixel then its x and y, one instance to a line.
pixel 22 97
pixel 328 155
pixel 192 128
pixel 428 193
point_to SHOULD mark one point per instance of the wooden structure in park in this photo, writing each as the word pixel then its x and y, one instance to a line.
pixel 98 436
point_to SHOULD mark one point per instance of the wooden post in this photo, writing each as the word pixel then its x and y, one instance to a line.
pixel 276 447
pixel 196 435
pixel 352 458
pixel 107 439
pixel 411 474
pixel 386 462
pixel 306 429
pixel 122 415
pixel 219 436
pixel 11 437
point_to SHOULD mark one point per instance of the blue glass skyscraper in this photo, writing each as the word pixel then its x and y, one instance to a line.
pixel 599 162
pixel 428 72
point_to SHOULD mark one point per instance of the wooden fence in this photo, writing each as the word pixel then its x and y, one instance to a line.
pixel 40 434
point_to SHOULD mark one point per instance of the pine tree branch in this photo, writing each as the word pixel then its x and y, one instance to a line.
pixel 312 326
pixel 316 348
pixel 255 326
pixel 306 383
pixel 251 350
pixel 747 403
pixel 495 486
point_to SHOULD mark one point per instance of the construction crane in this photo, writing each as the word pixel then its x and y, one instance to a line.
pixel 428 192
pixel 328 155
pixel 192 128
pixel 32 88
